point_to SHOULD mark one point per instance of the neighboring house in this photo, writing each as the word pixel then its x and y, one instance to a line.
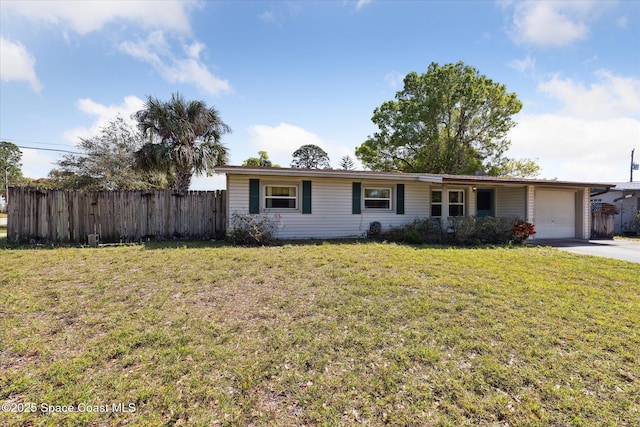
pixel 313 203
pixel 625 196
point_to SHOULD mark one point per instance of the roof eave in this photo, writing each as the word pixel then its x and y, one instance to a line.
pixel 399 176
pixel 327 173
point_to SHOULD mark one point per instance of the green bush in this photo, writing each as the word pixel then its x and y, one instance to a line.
pixel 462 230
pixel 419 231
pixel 485 230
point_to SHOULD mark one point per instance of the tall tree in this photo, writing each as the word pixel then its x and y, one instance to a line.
pixel 107 162
pixel 261 161
pixel 10 172
pixel 310 156
pixel 449 120
pixel 346 163
pixel 518 168
pixel 184 137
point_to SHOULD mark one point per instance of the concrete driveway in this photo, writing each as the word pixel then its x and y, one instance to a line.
pixel 623 249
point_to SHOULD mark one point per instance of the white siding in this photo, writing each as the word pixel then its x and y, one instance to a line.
pixel 553 211
pixel 331 204
pixel 510 201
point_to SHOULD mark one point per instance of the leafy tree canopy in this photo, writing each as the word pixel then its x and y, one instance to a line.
pixel 184 138
pixel 310 156
pixel 10 172
pixel 107 162
pixel 450 120
pixel 261 161
pixel 518 168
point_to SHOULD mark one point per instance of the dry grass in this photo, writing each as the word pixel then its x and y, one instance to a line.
pixel 331 334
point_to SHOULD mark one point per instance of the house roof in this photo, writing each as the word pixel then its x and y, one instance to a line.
pixel 399 176
pixel 625 186
pixel 326 173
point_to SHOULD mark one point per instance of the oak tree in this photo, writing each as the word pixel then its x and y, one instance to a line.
pixel 310 156
pixel 450 119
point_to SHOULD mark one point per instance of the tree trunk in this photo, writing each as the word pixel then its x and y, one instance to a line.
pixel 183 179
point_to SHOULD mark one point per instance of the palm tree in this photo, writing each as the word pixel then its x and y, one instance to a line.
pixel 184 138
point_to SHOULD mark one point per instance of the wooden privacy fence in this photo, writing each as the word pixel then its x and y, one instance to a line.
pixel 602 225
pixel 602 220
pixel 115 216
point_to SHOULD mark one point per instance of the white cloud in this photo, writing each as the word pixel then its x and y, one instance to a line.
pixel 193 50
pixel 268 17
pixel 37 164
pixel 612 96
pixel 169 17
pixel 522 65
pixel 17 64
pixel 103 114
pixel 279 13
pixel 591 137
pixel 622 22
pixel 552 23
pixel 281 141
pixel 576 149
pixel 156 51
pixel 84 17
pixel 362 3
pixel 394 79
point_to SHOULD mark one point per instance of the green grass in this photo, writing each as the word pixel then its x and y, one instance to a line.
pixel 329 334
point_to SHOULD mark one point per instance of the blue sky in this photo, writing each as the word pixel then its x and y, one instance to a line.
pixel 283 74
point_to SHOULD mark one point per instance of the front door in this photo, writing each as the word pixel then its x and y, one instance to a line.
pixel 484 203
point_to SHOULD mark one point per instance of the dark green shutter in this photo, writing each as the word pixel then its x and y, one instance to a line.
pixel 400 199
pixel 306 197
pixel 357 198
pixel 254 196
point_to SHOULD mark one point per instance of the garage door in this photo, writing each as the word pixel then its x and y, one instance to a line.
pixel 555 214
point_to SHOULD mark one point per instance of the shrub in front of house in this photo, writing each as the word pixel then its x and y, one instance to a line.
pixel 253 230
pixel 503 231
pixel 463 230
pixel 475 230
pixel 419 231
pixel 522 230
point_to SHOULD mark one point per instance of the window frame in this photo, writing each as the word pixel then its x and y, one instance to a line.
pixel 436 204
pixel 373 208
pixel 460 204
pixel 295 198
pixel 449 203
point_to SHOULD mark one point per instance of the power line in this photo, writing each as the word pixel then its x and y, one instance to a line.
pixel 27 141
pixel 48 149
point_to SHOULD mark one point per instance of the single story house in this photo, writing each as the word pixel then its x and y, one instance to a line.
pixel 315 203
pixel 625 196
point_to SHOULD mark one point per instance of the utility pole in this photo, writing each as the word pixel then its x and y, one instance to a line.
pixel 634 166
pixel 6 185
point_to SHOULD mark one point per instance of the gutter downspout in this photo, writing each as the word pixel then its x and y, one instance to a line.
pixel 599 193
pixel 625 197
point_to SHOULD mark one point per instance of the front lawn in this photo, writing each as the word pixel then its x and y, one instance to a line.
pixel 328 334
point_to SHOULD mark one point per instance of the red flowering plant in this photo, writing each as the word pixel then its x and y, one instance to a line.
pixel 522 230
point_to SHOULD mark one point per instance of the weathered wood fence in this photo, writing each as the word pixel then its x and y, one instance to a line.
pixel 602 225
pixel 115 216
